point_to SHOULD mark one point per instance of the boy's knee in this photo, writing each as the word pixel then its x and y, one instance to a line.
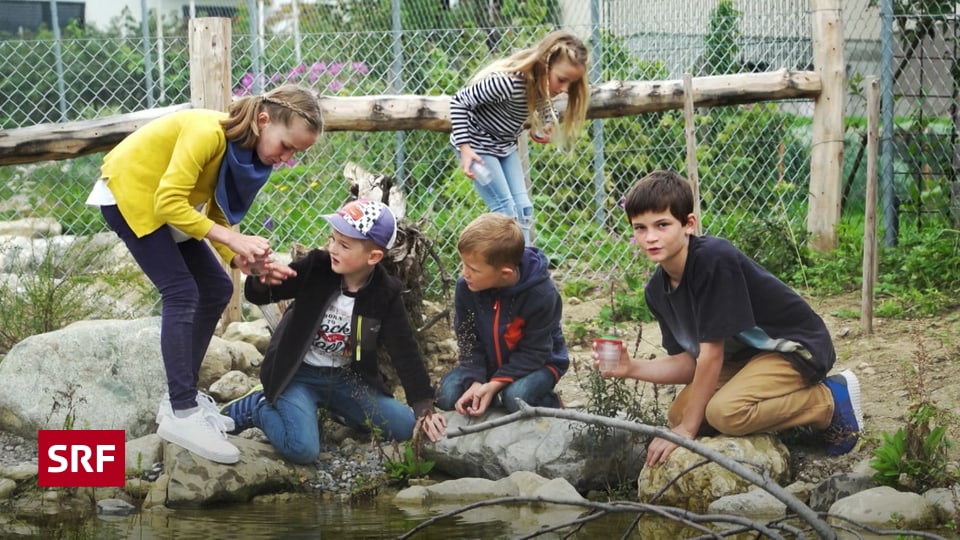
pixel 446 403
pixel 301 454
pixel 727 419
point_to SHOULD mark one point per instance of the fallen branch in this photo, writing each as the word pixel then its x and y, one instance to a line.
pixel 686 517
pixel 796 505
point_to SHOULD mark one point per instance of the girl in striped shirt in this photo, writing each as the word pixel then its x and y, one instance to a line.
pixel 488 115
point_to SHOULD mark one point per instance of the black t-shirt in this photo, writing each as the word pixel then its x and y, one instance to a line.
pixel 725 295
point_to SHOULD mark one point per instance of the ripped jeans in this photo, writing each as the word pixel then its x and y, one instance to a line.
pixel 507 191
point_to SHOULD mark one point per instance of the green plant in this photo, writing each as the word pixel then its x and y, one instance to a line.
pixel 627 304
pixel 577 288
pixel 916 457
pixel 49 289
pixel 409 465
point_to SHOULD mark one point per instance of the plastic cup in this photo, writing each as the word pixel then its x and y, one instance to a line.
pixel 481 174
pixel 608 350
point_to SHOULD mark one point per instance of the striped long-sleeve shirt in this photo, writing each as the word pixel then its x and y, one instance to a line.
pixel 489 115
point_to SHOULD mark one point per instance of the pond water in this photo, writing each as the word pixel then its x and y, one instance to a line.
pixel 311 518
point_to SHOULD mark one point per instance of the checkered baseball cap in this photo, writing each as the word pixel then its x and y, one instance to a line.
pixel 366 219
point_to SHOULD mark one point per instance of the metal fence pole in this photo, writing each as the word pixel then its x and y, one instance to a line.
pixel 145 44
pixel 255 67
pixel 58 54
pixel 396 87
pixel 599 158
pixel 886 113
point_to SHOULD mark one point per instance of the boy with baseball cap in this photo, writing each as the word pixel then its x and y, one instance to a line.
pixel 323 352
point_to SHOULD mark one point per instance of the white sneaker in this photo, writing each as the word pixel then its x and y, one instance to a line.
pixel 221 422
pixel 196 434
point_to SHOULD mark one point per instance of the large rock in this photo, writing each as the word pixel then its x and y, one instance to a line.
pixel 195 481
pixel 697 487
pixel 523 518
pixel 101 374
pixel 550 447
pixel 884 507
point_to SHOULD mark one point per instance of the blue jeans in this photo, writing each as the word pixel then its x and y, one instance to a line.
pixel 194 290
pixel 507 191
pixel 535 389
pixel 291 422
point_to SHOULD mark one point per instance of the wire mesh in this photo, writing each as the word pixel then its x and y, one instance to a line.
pixel 754 161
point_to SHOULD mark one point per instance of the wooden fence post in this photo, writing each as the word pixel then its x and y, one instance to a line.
pixel 872 85
pixel 690 130
pixel 826 154
pixel 210 81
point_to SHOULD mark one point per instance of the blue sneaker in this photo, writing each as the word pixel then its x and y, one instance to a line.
pixel 844 430
pixel 241 409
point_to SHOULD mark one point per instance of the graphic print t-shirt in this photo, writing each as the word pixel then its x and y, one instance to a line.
pixel 330 343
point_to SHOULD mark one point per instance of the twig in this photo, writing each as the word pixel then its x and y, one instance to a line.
pixel 444 313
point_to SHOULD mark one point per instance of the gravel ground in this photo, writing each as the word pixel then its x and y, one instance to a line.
pixel 16 450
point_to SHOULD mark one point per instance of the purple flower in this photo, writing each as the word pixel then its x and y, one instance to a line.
pixel 268 223
pixel 335 86
pixel 335 68
pixel 360 67
pixel 318 67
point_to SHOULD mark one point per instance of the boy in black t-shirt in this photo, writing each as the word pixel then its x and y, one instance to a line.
pixel 750 350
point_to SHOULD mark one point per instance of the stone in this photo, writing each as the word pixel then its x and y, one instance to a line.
pixel 884 507
pixel 115 507
pixel 698 486
pixel 195 481
pixel 97 374
pixel 550 447
pixel 837 487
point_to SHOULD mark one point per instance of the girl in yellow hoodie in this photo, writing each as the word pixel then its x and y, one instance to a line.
pixel 182 178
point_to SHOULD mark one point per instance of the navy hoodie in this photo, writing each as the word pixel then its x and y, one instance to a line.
pixel 506 334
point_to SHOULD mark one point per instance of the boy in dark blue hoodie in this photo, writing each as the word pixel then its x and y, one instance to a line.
pixel 507 322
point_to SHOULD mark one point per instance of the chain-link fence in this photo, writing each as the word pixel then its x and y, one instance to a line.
pixel 754 161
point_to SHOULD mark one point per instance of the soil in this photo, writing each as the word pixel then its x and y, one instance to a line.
pixel 899 361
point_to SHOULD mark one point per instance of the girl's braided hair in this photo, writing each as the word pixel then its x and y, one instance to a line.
pixel 283 104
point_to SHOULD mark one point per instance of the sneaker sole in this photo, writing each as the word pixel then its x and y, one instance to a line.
pixel 853 389
pixel 227 459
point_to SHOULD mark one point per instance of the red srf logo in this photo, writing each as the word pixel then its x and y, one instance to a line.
pixel 81 457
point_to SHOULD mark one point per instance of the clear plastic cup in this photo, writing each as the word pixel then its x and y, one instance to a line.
pixel 608 351
pixel 481 174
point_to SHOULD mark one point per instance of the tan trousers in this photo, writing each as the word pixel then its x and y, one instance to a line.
pixel 763 395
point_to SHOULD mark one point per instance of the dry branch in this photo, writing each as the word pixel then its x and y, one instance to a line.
pixel 413 112
pixel 795 505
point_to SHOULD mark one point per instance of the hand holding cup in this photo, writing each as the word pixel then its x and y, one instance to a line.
pixel 609 353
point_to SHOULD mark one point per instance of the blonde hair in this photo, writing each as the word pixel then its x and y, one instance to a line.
pixel 283 104
pixel 535 63
pixel 494 236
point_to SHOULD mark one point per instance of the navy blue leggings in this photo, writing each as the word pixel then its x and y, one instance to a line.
pixel 194 290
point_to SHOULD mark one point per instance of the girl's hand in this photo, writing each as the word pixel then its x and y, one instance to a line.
pixel 467 158
pixel 269 271
pixel 248 248
pixel 542 137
